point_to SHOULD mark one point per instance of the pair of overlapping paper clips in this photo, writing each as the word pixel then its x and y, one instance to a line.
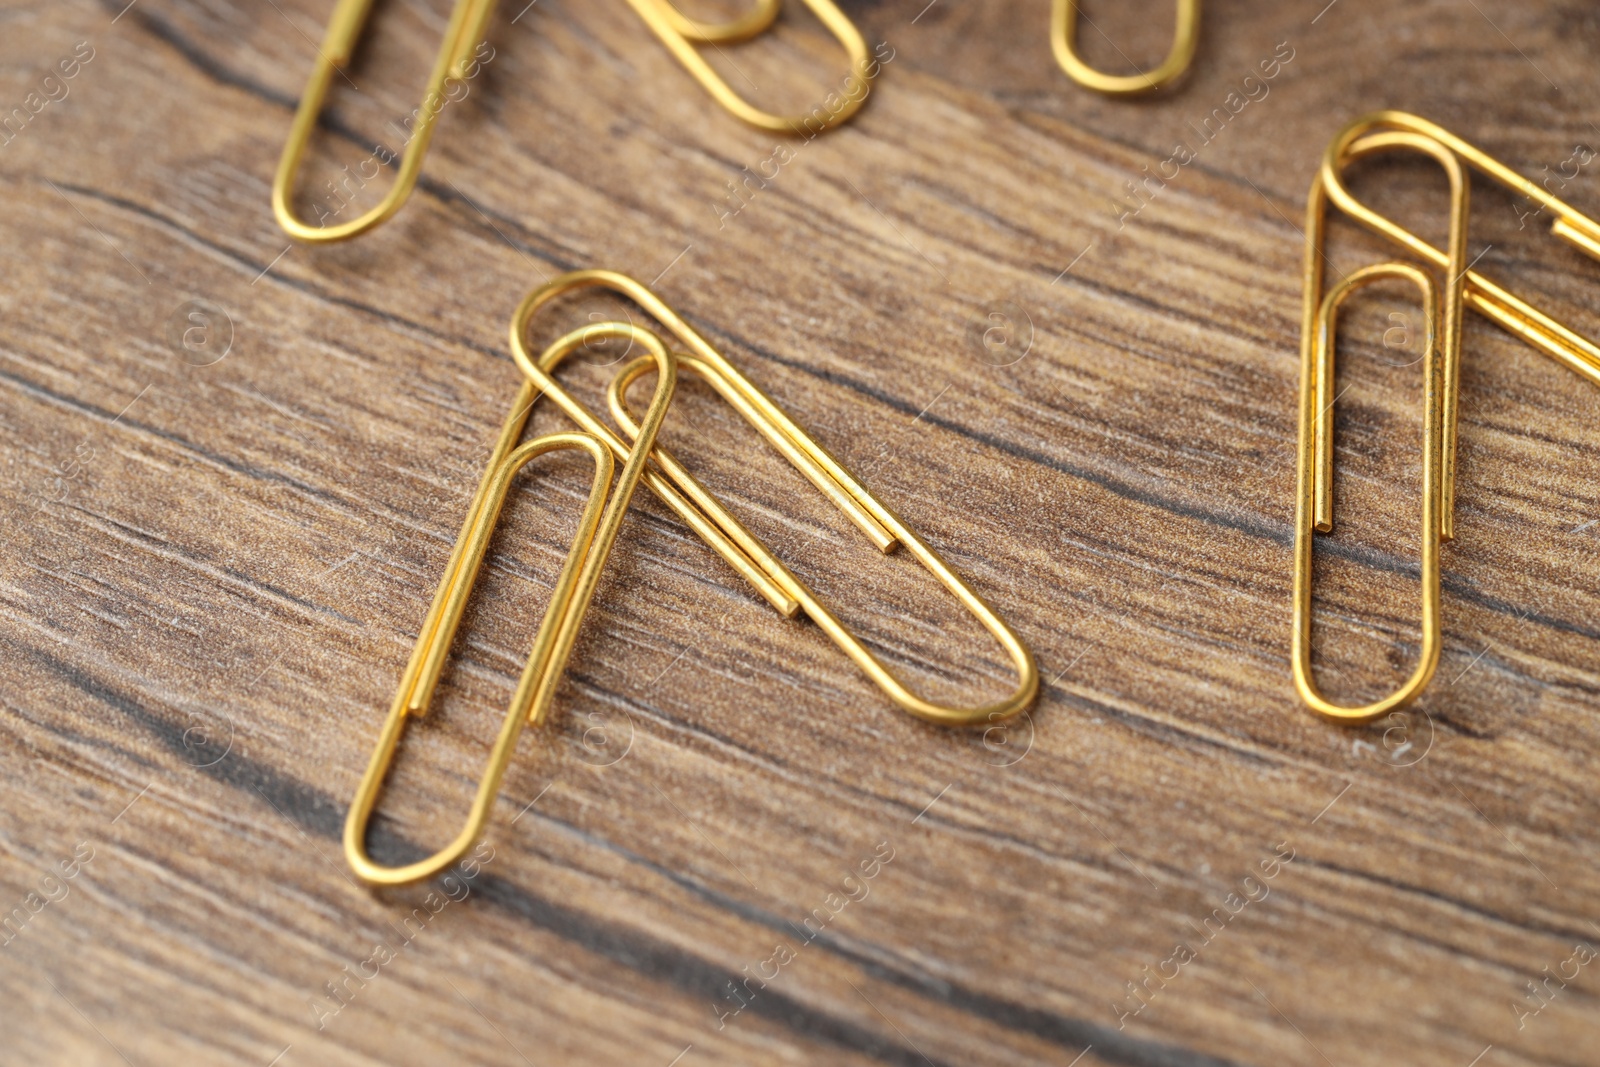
pixel 684 38
pixel 1443 304
pixel 643 460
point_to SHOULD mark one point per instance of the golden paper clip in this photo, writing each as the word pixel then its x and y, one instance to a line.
pixel 746 553
pixel 1379 132
pixel 1516 316
pixel 456 58
pixel 1064 40
pixel 558 629
pixel 1314 467
pixel 681 35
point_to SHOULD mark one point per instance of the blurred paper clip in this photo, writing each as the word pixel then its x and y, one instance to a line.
pixel 460 58
pixel 1064 40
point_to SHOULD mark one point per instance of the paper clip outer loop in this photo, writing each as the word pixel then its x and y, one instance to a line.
pixel 1064 40
pixel 884 529
pixel 466 28
pixel 558 630
pixel 1316 380
pixel 681 35
pixel 1516 316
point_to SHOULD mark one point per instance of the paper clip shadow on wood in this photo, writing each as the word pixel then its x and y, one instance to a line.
pixel 737 545
pixel 558 629
pixel 683 36
pixel 1314 467
pixel 1064 40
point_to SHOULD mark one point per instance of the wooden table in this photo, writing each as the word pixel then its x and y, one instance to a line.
pixel 234 469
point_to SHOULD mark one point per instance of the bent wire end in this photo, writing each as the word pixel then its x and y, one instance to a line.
pixel 721 532
pixel 1352 148
pixel 754 22
pixel 1064 37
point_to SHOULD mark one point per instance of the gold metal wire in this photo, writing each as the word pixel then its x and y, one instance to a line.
pixel 467 21
pixel 558 629
pixel 754 22
pixel 1314 468
pixel 1518 317
pixel 1379 132
pixel 1454 298
pixel 703 512
pixel 1064 40
pixel 681 36
pixel 1316 378
pixel 742 552
pixel 466 28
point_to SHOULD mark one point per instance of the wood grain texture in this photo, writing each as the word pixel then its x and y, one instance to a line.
pixel 214 564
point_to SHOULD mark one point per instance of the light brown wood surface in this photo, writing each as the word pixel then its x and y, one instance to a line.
pixel 216 558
